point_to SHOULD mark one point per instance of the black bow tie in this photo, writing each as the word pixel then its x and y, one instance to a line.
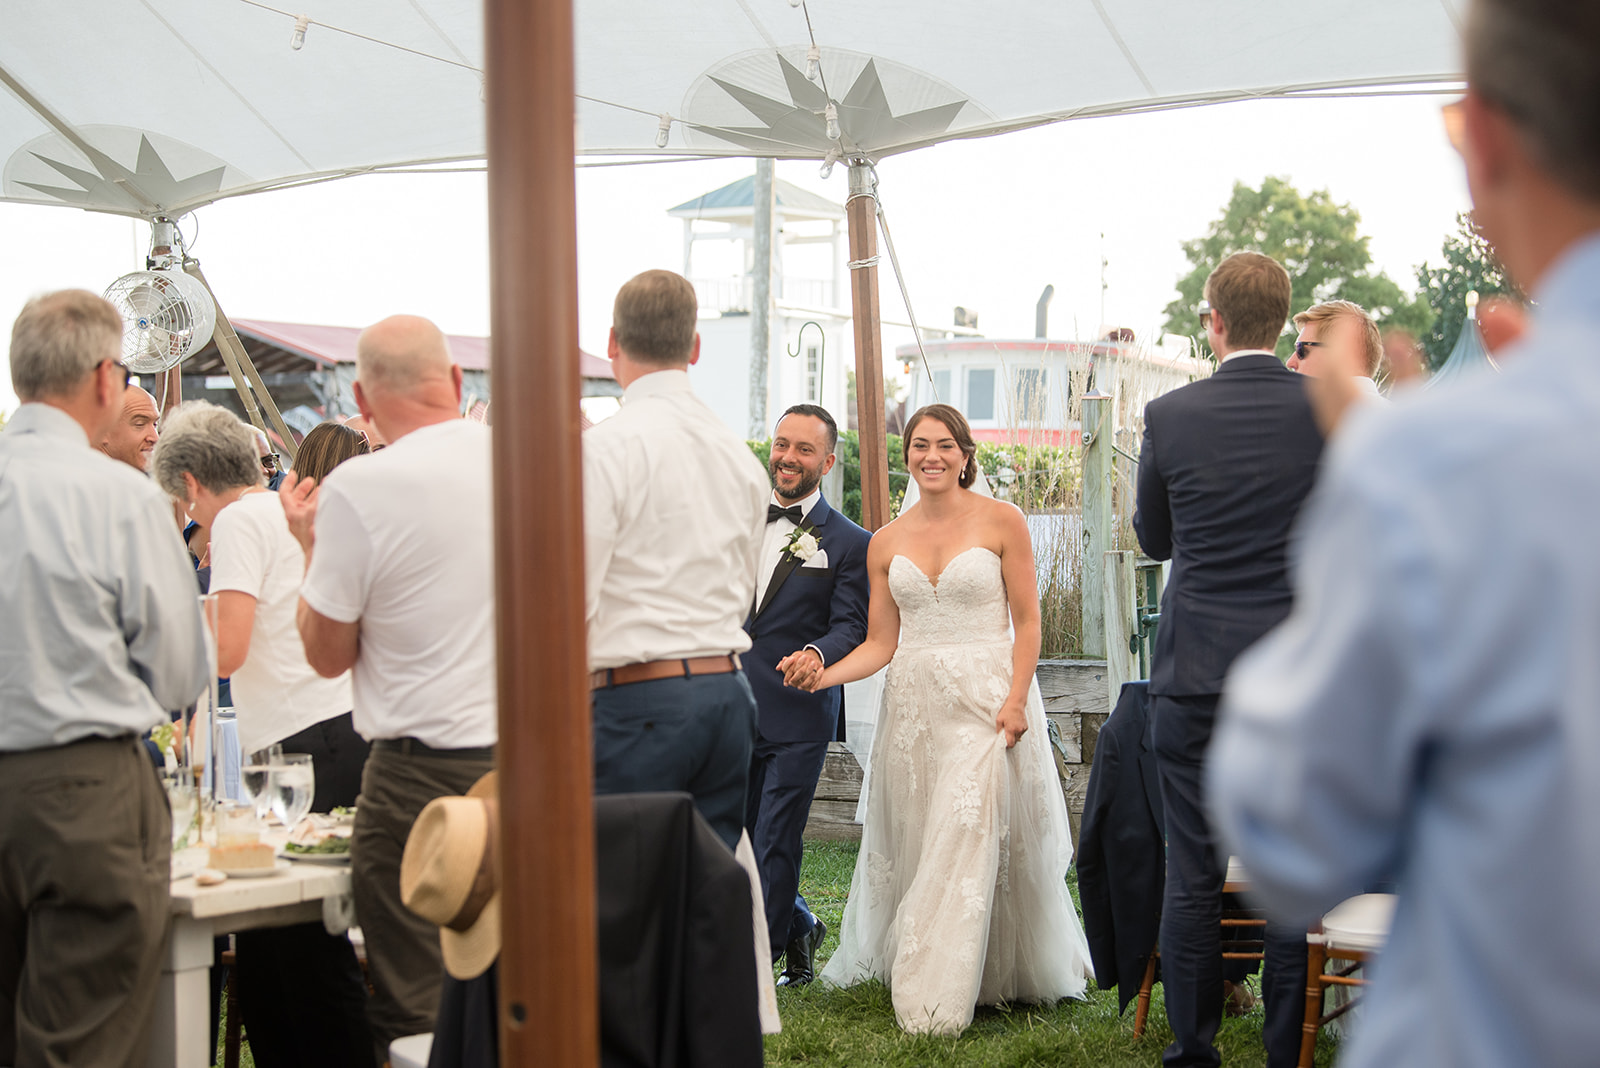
pixel 791 513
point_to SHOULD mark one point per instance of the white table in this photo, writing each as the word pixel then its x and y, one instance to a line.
pixel 181 1037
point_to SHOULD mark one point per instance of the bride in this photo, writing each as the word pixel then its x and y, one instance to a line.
pixel 959 896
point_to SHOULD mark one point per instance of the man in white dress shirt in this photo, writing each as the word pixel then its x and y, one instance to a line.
pixel 674 510
pixel 400 588
pixel 102 636
pixel 1430 710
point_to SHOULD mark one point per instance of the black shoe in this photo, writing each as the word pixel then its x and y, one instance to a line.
pixel 800 958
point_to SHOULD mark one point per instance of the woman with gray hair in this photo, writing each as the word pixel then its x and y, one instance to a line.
pixel 301 992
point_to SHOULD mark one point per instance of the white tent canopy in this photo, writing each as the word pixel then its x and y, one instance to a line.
pixel 155 107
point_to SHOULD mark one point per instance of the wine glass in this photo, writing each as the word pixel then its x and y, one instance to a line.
pixel 290 786
pixel 253 775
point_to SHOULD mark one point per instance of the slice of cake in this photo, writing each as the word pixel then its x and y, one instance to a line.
pixel 244 856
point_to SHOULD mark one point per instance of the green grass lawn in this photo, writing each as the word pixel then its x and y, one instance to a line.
pixel 855 1027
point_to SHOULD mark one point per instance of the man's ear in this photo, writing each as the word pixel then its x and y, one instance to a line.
pixel 612 348
pixel 694 350
pixel 361 402
pixel 1488 142
pixel 827 465
pixel 455 380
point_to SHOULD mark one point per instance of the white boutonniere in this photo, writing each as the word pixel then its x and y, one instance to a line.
pixel 802 545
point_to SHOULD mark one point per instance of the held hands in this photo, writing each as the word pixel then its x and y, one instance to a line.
pixel 299 497
pixel 1012 720
pixel 802 670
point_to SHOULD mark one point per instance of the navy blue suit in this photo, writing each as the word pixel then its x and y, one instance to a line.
pixel 823 607
pixel 1226 464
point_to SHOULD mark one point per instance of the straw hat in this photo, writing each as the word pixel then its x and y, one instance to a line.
pixel 448 876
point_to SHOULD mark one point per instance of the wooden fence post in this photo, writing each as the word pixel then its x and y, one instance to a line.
pixel 1121 607
pixel 1098 436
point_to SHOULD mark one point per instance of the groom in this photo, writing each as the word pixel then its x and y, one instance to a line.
pixel 811 597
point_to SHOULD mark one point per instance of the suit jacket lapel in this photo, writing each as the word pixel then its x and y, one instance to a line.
pixel 786 565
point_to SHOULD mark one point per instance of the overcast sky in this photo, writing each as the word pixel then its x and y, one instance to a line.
pixel 985 223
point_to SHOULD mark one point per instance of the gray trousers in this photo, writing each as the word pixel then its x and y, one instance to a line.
pixel 404 964
pixel 85 876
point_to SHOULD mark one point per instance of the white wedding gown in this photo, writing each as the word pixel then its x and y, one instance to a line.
pixel 959 896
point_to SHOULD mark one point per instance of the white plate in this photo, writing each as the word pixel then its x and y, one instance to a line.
pixel 256 873
pixel 334 859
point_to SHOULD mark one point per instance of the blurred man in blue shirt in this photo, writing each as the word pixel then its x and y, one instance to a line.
pixel 1430 711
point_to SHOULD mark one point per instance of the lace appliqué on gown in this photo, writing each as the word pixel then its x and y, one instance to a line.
pixel 959 896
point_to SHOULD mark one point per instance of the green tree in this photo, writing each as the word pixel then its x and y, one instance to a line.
pixel 1317 242
pixel 1469 264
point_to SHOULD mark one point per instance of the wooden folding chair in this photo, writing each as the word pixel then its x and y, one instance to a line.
pixel 1352 933
pixel 1236 881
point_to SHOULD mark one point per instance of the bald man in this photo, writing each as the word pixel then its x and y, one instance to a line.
pixel 132 437
pixel 399 588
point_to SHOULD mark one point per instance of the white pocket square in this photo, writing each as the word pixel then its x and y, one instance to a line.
pixel 818 559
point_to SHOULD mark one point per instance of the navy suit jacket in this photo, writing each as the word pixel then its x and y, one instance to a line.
pixel 1226 464
pixel 824 607
pixel 1122 863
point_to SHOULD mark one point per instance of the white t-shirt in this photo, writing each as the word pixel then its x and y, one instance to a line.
pixel 275 692
pixel 404 545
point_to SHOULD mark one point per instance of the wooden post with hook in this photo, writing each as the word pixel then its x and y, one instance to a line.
pixel 861 210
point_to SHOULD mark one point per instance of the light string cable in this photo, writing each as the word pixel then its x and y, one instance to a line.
pixel 900 279
pixel 365 37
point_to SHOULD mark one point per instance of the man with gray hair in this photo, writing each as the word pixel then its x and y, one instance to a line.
pixel 103 636
pixel 400 587
pixel 1429 712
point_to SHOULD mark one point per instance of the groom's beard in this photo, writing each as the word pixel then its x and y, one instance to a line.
pixel 802 489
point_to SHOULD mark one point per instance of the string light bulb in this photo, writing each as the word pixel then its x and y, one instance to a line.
pixel 663 131
pixel 297 40
pixel 796 3
pixel 829 161
pixel 813 62
pixel 830 115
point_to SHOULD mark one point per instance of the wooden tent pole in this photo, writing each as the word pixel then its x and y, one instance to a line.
pixel 549 952
pixel 861 210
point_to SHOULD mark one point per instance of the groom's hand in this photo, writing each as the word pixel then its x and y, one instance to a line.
pixel 801 669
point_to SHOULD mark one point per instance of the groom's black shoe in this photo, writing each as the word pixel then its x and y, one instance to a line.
pixel 800 957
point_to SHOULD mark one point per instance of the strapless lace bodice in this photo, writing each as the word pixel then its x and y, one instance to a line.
pixel 963 604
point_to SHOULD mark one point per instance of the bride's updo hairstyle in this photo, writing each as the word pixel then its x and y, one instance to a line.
pixel 956 423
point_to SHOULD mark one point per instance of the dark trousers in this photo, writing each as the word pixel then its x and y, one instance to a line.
pixel 85 871
pixel 680 734
pixel 301 992
pixel 403 959
pixel 1191 932
pixel 302 998
pixel 783 778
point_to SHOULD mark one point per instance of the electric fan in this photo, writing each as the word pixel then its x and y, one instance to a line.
pixel 167 317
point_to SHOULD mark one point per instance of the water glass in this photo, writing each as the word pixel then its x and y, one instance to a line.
pixel 253 774
pixel 184 801
pixel 290 786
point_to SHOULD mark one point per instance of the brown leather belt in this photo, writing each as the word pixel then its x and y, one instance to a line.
pixel 663 669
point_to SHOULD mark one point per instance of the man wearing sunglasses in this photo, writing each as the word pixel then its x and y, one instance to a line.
pixel 1334 335
pixel 1428 713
